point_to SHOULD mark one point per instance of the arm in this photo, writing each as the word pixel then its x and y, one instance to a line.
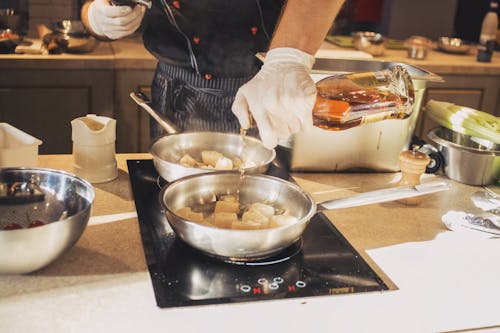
pixel 281 96
pixel 304 24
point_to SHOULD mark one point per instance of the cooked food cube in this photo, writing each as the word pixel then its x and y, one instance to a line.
pixel 210 157
pixel 282 220
pixel 184 212
pixel 255 217
pixel 224 163
pixel 196 217
pixel 229 197
pixel 187 214
pixel 263 209
pixel 236 163
pixel 227 207
pixel 224 219
pixel 247 225
pixel 188 160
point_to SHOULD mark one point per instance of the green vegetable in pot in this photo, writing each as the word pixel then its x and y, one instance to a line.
pixel 464 120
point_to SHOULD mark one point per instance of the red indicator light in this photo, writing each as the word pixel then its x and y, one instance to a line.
pixel 291 288
pixel 257 291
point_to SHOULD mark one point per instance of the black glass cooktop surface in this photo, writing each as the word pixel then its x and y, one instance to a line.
pixel 321 263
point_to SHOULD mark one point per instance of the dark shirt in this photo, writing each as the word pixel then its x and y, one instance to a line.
pixel 469 17
pixel 215 38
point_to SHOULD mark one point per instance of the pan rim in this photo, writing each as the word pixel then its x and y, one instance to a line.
pixel 303 220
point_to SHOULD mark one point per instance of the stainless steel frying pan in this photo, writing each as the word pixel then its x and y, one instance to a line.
pixel 244 245
pixel 169 149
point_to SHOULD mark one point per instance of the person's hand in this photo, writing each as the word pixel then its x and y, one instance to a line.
pixel 280 97
pixel 114 22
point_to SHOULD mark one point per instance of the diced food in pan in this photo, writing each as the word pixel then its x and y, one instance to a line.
pixel 229 213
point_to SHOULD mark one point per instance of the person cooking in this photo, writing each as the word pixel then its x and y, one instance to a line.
pixel 208 78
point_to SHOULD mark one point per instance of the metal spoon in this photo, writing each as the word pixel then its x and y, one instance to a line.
pixel 487 201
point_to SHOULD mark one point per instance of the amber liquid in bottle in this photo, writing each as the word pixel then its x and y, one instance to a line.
pixel 349 100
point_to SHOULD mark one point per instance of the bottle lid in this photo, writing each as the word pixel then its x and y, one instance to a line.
pixel 412 161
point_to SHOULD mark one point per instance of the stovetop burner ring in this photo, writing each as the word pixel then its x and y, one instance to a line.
pixel 281 256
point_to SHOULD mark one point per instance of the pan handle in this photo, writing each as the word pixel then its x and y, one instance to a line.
pixel 143 101
pixel 384 195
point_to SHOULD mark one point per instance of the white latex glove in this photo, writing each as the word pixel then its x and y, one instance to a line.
pixel 280 97
pixel 114 22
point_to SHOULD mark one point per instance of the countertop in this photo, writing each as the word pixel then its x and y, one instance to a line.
pixel 129 53
pixel 439 280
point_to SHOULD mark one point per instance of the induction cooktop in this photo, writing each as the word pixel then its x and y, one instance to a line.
pixel 321 263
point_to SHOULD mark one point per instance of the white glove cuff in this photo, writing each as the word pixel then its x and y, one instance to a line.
pixel 91 17
pixel 289 54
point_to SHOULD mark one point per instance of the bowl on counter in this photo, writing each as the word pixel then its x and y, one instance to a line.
pixel 43 213
pixel 454 45
pixel 370 42
pixel 71 36
pixel 467 159
pixel 418 47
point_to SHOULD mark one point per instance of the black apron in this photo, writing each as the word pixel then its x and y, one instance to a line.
pixel 206 51
pixel 193 103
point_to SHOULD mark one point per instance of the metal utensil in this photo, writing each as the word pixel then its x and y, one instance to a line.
pixel 284 196
pixel 486 200
pixel 487 225
pixel 143 101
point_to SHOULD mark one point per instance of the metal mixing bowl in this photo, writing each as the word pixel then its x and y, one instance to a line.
pixel 370 42
pixel 72 37
pixel 467 159
pixel 454 45
pixel 168 150
pixel 61 201
pixel 237 245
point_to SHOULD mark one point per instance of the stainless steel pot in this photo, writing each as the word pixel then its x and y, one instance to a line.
pixel 168 150
pixel 467 159
pixel 237 245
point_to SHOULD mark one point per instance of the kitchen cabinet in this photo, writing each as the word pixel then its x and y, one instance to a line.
pixel 41 94
pixel 132 123
pixel 43 102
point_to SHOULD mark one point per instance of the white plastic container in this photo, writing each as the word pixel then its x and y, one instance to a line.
pixel 94 148
pixel 17 148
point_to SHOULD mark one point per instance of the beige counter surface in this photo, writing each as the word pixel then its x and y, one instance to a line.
pixel 130 53
pixel 439 280
pixel 101 57
pixel 437 61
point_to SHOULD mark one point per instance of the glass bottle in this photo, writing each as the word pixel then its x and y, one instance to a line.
pixel 352 99
pixel 487 38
